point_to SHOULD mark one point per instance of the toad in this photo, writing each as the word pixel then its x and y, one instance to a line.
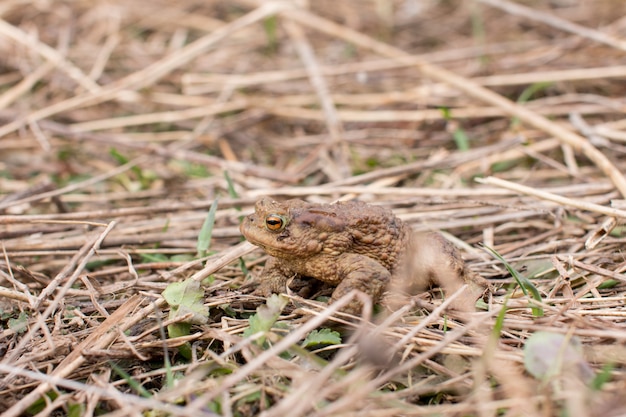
pixel 352 245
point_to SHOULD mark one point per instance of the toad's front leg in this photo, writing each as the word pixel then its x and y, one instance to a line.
pixel 358 272
pixel 273 279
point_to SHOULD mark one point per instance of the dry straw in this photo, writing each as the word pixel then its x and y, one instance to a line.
pixel 121 122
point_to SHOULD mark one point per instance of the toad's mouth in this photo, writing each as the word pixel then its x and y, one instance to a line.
pixel 247 229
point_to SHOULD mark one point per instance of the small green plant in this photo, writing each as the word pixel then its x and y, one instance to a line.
pixel 41 403
pixel 143 177
pixel 602 377
pixel 184 298
pixel 19 324
pixel 265 317
pixel 189 169
pixel 526 95
pixel 531 90
pixel 458 134
pixel 132 383
pixel 524 283
pixel 270 25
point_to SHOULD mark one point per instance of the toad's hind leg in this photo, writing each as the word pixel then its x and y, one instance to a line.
pixel 358 272
pixel 436 261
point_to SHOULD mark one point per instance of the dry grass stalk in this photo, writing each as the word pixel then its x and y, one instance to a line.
pixel 120 120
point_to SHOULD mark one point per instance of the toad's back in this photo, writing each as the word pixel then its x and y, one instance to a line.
pixel 350 245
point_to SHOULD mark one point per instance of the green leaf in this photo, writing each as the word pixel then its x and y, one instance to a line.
pixel 531 90
pixel 231 186
pixel 153 257
pixel 182 257
pixel 321 337
pixel 461 139
pixel 93 265
pixel 548 355
pixel 270 25
pixel 494 336
pixel 121 159
pixel 446 113
pixel 609 283
pixel 528 92
pixel 523 282
pixel 141 176
pixel 265 317
pixel 502 166
pixel 183 298
pixel 190 169
pixel 602 377
pixel 204 238
pixel 40 404
pixel 175 330
pixel 75 410
pixel 186 297
pixel 178 329
pixel 20 324
pixel 497 328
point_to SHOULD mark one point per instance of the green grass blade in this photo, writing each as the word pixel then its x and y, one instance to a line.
pixel 231 186
pixel 528 288
pixel 204 237
pixel 130 381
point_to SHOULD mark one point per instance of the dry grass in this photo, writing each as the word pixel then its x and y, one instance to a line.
pixel 121 122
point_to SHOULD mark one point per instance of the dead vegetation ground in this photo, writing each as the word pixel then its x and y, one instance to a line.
pixel 501 123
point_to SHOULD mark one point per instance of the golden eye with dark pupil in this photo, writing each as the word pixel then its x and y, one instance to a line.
pixel 274 222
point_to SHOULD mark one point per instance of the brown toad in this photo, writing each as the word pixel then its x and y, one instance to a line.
pixel 350 245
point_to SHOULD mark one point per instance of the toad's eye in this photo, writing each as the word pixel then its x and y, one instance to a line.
pixel 275 222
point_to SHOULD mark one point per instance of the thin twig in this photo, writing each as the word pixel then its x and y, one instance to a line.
pixel 544 195
pixel 467 86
